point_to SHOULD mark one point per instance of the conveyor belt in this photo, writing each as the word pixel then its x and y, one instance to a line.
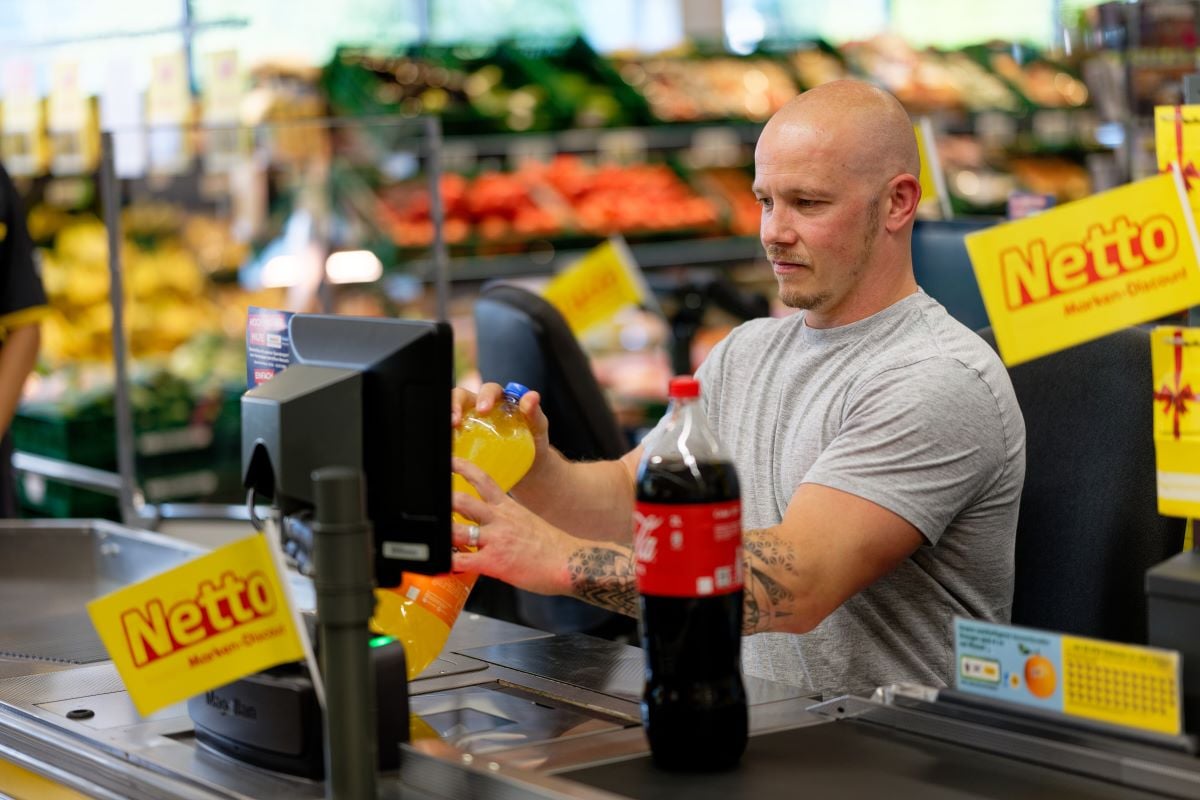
pixel 65 638
pixel 851 760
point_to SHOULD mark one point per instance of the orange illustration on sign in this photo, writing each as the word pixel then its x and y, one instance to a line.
pixel 1039 676
pixel 1032 275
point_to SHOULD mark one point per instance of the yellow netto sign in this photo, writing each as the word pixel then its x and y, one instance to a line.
pixel 1088 268
pixel 201 625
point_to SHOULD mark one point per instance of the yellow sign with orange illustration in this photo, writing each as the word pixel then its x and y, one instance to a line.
pixel 1119 684
pixel 215 619
pixel 1088 268
pixel 1175 362
pixel 597 286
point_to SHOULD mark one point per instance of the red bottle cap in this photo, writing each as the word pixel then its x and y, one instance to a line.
pixel 684 386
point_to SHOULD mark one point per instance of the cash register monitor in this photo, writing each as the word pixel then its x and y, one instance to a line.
pixel 368 393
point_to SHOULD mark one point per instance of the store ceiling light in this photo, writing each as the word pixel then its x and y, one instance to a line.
pixel 353 266
pixel 281 272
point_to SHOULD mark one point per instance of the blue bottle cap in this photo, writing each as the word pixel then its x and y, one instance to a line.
pixel 515 390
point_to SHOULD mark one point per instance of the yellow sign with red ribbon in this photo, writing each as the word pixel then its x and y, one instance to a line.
pixel 1177 141
pixel 201 625
pixel 1088 268
pixel 1175 360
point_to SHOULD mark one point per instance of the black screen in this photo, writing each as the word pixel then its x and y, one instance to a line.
pixel 408 373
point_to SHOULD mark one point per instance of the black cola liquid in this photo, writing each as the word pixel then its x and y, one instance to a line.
pixel 694 705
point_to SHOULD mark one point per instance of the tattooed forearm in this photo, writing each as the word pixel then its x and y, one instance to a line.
pixel 766 598
pixel 604 577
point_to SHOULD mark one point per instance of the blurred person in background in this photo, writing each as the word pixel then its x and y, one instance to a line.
pixel 22 307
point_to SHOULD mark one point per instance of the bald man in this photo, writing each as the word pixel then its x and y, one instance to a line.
pixel 880 448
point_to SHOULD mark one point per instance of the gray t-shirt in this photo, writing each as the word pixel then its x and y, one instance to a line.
pixel 908 409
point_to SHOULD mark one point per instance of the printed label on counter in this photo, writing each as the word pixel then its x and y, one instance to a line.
pixel 1120 684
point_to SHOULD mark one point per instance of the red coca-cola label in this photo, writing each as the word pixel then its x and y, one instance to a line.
pixel 692 550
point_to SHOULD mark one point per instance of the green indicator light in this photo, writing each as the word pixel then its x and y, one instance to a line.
pixel 380 641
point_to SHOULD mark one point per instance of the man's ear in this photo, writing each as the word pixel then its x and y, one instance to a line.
pixel 904 195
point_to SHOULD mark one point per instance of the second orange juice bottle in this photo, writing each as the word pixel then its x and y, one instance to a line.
pixel 422 609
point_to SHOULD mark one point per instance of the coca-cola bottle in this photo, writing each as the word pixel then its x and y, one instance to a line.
pixel 688 555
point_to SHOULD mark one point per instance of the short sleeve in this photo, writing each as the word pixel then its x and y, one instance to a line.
pixel 922 441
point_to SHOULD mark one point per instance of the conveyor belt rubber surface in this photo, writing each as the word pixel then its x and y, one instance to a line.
pixel 853 760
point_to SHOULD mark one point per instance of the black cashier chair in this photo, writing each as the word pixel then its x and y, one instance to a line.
pixel 943 268
pixel 521 337
pixel 1089 526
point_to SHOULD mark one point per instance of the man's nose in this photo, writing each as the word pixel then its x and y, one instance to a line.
pixel 774 229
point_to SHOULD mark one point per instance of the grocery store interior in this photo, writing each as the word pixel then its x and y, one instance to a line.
pixel 412 159
pixel 254 143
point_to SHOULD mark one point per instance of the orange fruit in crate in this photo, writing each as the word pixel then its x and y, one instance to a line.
pixel 1040 676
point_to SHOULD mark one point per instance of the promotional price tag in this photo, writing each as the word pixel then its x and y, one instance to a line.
pixel 268 344
pixel 1175 362
pixel 1120 684
pixel 21 144
pixel 221 96
pixel 531 148
pixel 622 147
pixel 21 110
pixel 68 118
pixel 995 129
pixel 67 107
pixel 1053 127
pixel 168 98
pixel 221 100
pixel 168 109
pixel 715 147
pixel 459 156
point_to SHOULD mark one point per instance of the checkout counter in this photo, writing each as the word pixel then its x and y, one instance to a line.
pixel 506 711
pixel 517 713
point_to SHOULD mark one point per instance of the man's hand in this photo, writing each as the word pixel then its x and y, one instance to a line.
pixel 588 499
pixel 515 545
pixel 829 547
pixel 491 394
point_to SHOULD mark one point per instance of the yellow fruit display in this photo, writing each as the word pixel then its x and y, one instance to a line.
pixel 167 296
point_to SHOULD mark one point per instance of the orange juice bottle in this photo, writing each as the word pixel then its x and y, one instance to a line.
pixel 422 609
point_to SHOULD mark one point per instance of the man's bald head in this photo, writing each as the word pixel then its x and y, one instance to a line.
pixel 835 171
pixel 867 127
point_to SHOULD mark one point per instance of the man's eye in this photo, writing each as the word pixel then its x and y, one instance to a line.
pixel 765 202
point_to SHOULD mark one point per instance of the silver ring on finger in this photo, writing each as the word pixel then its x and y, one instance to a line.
pixel 473 536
